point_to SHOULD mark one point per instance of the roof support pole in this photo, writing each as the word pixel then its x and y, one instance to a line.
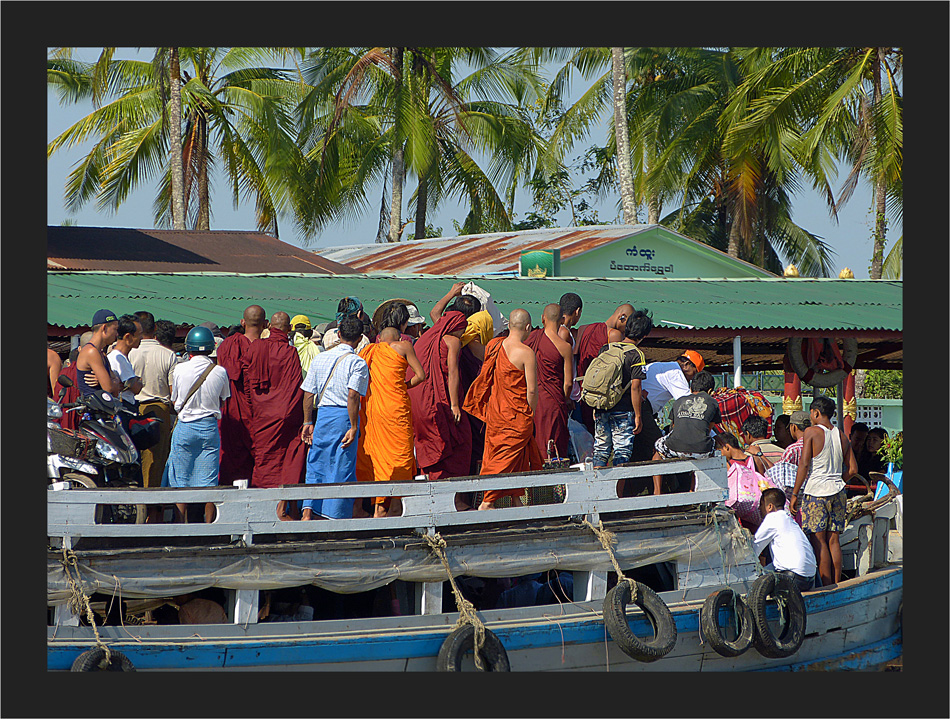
pixel 737 360
pixel 839 398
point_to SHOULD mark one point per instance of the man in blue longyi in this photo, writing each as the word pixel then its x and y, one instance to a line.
pixel 337 379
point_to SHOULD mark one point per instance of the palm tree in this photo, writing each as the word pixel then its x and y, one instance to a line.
pixel 731 201
pixel 621 130
pixel 372 108
pixel 811 107
pixel 236 112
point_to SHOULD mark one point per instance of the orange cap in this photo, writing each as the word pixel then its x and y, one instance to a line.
pixel 696 358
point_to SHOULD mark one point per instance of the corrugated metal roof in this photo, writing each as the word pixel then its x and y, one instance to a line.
pixel 123 249
pixel 764 303
pixel 492 253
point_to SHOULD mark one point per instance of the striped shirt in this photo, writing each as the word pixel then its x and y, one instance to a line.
pixel 351 373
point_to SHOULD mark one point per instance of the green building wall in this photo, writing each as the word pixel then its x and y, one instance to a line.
pixel 657 253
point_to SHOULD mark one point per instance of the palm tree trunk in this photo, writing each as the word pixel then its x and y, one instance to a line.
pixel 395 214
pixel 880 219
pixel 395 217
pixel 421 197
pixel 627 196
pixel 653 210
pixel 733 250
pixel 176 169
pixel 204 200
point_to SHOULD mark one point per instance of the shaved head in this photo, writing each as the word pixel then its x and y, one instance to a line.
pixel 388 334
pixel 519 319
pixel 254 316
pixel 618 320
pixel 280 321
pixel 552 313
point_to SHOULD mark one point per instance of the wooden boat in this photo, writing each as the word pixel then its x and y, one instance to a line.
pixel 687 542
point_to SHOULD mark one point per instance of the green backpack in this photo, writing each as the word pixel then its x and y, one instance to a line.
pixel 601 387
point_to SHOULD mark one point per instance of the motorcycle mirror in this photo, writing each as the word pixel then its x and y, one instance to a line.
pixel 64 380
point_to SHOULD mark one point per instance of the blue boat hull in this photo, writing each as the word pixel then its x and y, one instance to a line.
pixel 854 626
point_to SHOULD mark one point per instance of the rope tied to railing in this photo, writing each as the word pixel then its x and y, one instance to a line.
pixel 607 540
pixel 466 609
pixel 79 601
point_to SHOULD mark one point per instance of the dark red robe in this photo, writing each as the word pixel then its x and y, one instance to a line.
pixel 590 338
pixel 272 376
pixel 237 462
pixel 550 417
pixel 443 447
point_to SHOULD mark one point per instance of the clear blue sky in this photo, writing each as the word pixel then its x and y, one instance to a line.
pixel 850 238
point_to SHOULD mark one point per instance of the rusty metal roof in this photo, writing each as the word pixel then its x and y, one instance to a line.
pixel 487 254
pixel 123 249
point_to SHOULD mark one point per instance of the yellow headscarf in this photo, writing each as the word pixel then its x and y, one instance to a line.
pixel 481 327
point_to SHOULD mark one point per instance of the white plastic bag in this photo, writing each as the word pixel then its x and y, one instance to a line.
pixel 581 440
pixel 499 321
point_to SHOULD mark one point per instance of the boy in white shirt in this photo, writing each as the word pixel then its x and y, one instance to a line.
pixel 792 553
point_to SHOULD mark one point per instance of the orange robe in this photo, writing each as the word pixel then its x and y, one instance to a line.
pixel 499 397
pixel 387 437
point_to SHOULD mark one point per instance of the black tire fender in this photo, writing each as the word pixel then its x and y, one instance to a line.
pixel 709 623
pixel 462 640
pixel 655 610
pixel 90 661
pixel 793 634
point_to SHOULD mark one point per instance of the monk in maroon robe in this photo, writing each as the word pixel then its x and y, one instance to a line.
pixel 237 461
pixel 273 376
pixel 555 362
pixel 590 338
pixel 443 434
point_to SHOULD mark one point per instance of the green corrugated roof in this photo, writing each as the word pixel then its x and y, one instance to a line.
pixel 764 303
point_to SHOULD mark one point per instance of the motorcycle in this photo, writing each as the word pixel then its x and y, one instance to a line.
pixel 99 453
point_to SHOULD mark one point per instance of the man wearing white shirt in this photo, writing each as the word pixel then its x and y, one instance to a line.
pixel 130 336
pixel 665 381
pixel 194 459
pixel 155 364
pixel 337 378
pixel 792 553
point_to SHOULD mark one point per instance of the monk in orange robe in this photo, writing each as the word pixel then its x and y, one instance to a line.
pixel 504 396
pixel 555 377
pixel 387 441
pixel 590 338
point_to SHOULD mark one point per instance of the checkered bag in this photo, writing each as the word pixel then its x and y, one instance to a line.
pixel 737 404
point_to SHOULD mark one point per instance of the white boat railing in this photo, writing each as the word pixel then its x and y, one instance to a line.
pixel 427 505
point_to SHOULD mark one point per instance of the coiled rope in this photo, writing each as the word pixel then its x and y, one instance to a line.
pixel 79 601
pixel 466 608
pixel 607 540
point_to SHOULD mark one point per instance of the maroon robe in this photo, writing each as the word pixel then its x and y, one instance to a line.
pixel 590 338
pixel 272 376
pixel 237 462
pixel 550 416
pixel 443 447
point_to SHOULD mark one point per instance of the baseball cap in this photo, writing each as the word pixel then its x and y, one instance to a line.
pixel 300 320
pixel 414 317
pixel 696 358
pixel 800 417
pixel 103 316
